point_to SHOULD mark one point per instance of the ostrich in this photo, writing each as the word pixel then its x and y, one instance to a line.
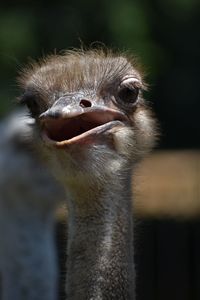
pixel 89 126
pixel 29 196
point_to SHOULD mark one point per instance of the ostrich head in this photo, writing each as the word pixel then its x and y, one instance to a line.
pixel 90 115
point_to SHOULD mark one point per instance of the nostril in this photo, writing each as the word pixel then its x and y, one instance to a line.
pixel 85 103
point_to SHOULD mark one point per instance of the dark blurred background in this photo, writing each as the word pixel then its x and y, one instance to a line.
pixel 164 34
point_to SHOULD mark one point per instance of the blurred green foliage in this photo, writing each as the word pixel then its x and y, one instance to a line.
pixel 163 33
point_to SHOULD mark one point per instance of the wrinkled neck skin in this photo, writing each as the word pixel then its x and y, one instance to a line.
pixel 100 242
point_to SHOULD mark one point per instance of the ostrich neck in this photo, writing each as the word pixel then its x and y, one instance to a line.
pixel 29 258
pixel 100 243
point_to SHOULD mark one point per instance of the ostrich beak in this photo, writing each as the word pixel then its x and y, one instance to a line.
pixel 81 125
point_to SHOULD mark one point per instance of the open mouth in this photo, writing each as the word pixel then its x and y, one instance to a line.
pixel 81 128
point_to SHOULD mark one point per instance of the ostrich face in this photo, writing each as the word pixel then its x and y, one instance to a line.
pixel 88 109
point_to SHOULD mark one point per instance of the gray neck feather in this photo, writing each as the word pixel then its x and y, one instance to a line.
pixel 29 261
pixel 28 199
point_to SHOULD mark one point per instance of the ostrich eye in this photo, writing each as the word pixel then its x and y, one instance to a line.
pixel 128 95
pixel 128 92
pixel 31 101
